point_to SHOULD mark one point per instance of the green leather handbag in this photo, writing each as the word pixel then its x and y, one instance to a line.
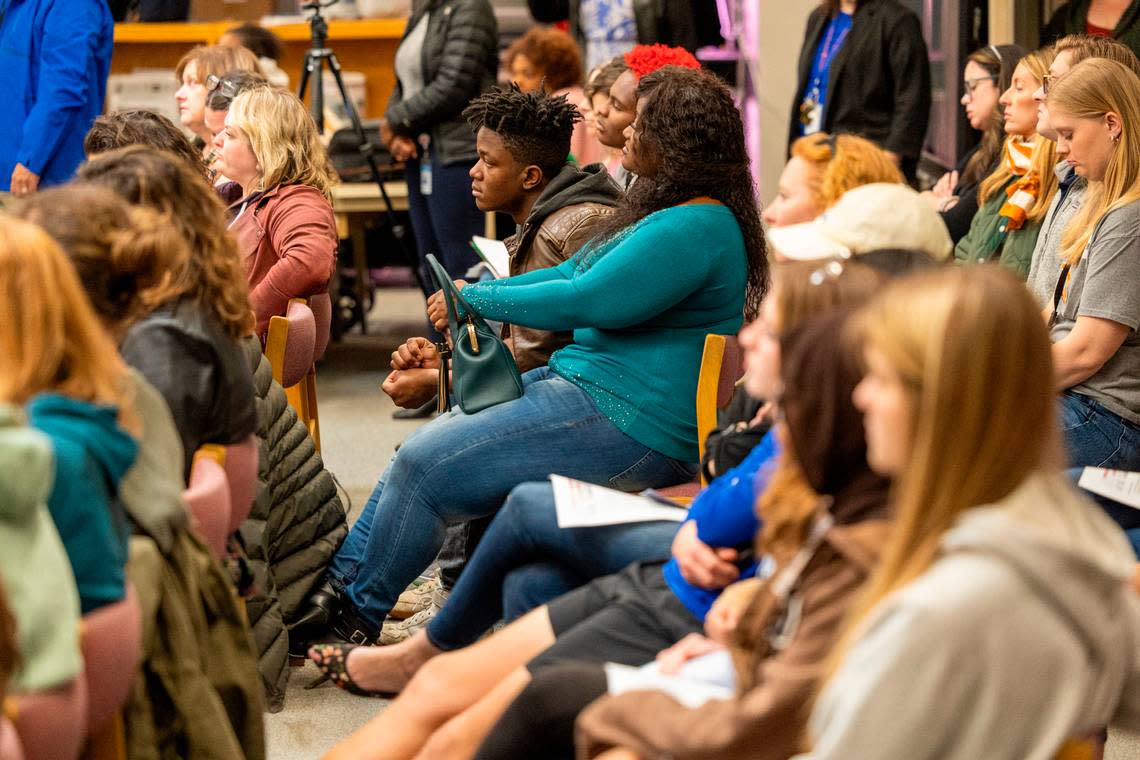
pixel 484 372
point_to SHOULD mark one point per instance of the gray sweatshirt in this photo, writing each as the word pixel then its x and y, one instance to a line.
pixel 1023 634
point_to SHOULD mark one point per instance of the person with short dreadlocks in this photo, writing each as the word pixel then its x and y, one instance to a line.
pixel 522 139
pixel 681 257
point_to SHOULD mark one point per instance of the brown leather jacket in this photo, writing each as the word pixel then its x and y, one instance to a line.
pixel 288 241
pixel 555 239
pixel 767 718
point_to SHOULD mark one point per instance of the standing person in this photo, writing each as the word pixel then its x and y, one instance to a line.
pixel 1015 197
pixel 999 622
pixel 607 28
pixel 448 56
pixel 194 71
pixel 987 74
pixel 284 221
pixel 1118 19
pixel 864 69
pixel 54 61
pixel 1071 186
pixel 1095 110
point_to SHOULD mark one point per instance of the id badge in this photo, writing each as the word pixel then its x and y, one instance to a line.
pixel 425 175
pixel 811 116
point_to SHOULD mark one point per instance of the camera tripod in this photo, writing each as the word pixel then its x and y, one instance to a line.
pixel 318 56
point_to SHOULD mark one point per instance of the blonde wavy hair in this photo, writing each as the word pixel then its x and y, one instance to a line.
pixel 1044 157
pixel 283 138
pixel 1091 90
pixel 970 346
pixel 212 274
pixel 843 162
pixel 50 339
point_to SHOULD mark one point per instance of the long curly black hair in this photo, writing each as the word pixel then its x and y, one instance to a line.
pixel 691 132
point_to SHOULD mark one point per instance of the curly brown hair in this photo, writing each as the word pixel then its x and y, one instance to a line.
pixel 212 274
pixel 692 132
pixel 119 129
pixel 553 52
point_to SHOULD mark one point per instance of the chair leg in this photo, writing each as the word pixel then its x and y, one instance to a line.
pixel 314 423
pixel 107 742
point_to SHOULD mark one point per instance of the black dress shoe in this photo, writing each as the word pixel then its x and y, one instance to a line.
pixel 315 620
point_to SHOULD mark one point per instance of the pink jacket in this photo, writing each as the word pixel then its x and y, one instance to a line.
pixel 288 241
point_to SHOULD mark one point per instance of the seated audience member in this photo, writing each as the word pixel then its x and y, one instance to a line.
pixel 264 44
pixel 39 636
pixel 1116 19
pixel 987 74
pixel 525 560
pixel 597 99
pixel 119 129
pixel 1014 198
pixel 62 366
pixel 629 617
pixel 866 220
pixel 522 139
pixel 193 70
pixel 221 92
pixel 1000 622
pixel 1047 261
pixel 284 222
pixel 549 58
pixel 189 345
pixel 639 297
pixel 822 168
pixel 1095 110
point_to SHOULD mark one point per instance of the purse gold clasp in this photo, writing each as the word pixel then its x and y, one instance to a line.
pixel 472 335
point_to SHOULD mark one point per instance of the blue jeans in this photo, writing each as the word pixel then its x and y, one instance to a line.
pixel 459 467
pixel 1097 437
pixel 525 560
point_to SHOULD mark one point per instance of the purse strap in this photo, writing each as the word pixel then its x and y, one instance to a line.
pixel 455 301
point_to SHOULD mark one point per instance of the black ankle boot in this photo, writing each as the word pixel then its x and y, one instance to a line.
pixel 317 616
pixel 354 629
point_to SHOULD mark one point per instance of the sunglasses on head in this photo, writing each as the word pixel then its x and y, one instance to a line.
pixel 216 83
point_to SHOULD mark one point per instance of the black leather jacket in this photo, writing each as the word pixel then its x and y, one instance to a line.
pixel 460 60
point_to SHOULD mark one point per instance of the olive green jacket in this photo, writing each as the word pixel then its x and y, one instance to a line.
pixel 1016 253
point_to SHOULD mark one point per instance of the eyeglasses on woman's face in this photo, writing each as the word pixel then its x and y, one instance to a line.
pixel 973 84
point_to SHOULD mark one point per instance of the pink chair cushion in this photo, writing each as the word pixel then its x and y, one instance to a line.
pixel 242 461
pixel 52 724
pixel 321 305
pixel 731 370
pixel 10 747
pixel 111 645
pixel 208 499
pixel 300 345
pixel 682 491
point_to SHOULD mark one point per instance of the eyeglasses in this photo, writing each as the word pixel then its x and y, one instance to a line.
pixel 1046 83
pixel 972 84
pixel 227 88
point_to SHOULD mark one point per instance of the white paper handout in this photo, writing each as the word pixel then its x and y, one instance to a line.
pixel 584 505
pixel 701 679
pixel 1117 485
pixel 495 253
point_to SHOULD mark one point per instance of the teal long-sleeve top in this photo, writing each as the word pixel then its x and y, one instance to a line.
pixel 640 306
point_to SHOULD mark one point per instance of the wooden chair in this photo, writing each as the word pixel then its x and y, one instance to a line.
pixel 111 642
pixel 51 724
pixel 240 462
pixel 294 343
pixel 208 499
pixel 722 364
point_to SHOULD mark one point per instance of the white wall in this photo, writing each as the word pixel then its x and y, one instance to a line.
pixel 781 32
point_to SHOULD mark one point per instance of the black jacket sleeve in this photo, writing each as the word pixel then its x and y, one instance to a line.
pixel 549 11
pixel 958 217
pixel 471 40
pixel 910 68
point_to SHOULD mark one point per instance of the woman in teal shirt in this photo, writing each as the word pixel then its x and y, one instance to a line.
pixel 683 257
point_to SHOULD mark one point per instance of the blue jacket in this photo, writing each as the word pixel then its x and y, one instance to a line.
pixel 55 56
pixel 92 454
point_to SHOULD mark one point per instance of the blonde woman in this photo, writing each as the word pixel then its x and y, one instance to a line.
pixel 1015 197
pixel 284 222
pixel 1095 109
pixel 822 168
pixel 999 623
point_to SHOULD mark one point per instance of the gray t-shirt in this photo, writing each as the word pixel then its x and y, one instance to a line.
pixel 1105 283
pixel 409 60
pixel 1045 267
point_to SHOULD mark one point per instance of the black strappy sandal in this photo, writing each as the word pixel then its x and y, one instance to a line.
pixel 332 660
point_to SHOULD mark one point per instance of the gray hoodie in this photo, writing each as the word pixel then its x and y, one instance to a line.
pixel 1024 633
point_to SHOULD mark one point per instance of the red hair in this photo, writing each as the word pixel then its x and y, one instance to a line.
pixel 645 59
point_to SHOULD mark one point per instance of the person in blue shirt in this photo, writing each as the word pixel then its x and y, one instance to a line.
pixel 683 256
pixel 55 56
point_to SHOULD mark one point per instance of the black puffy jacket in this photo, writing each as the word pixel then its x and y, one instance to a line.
pixel 460 60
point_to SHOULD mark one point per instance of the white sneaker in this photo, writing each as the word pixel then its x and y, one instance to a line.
pixel 395 631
